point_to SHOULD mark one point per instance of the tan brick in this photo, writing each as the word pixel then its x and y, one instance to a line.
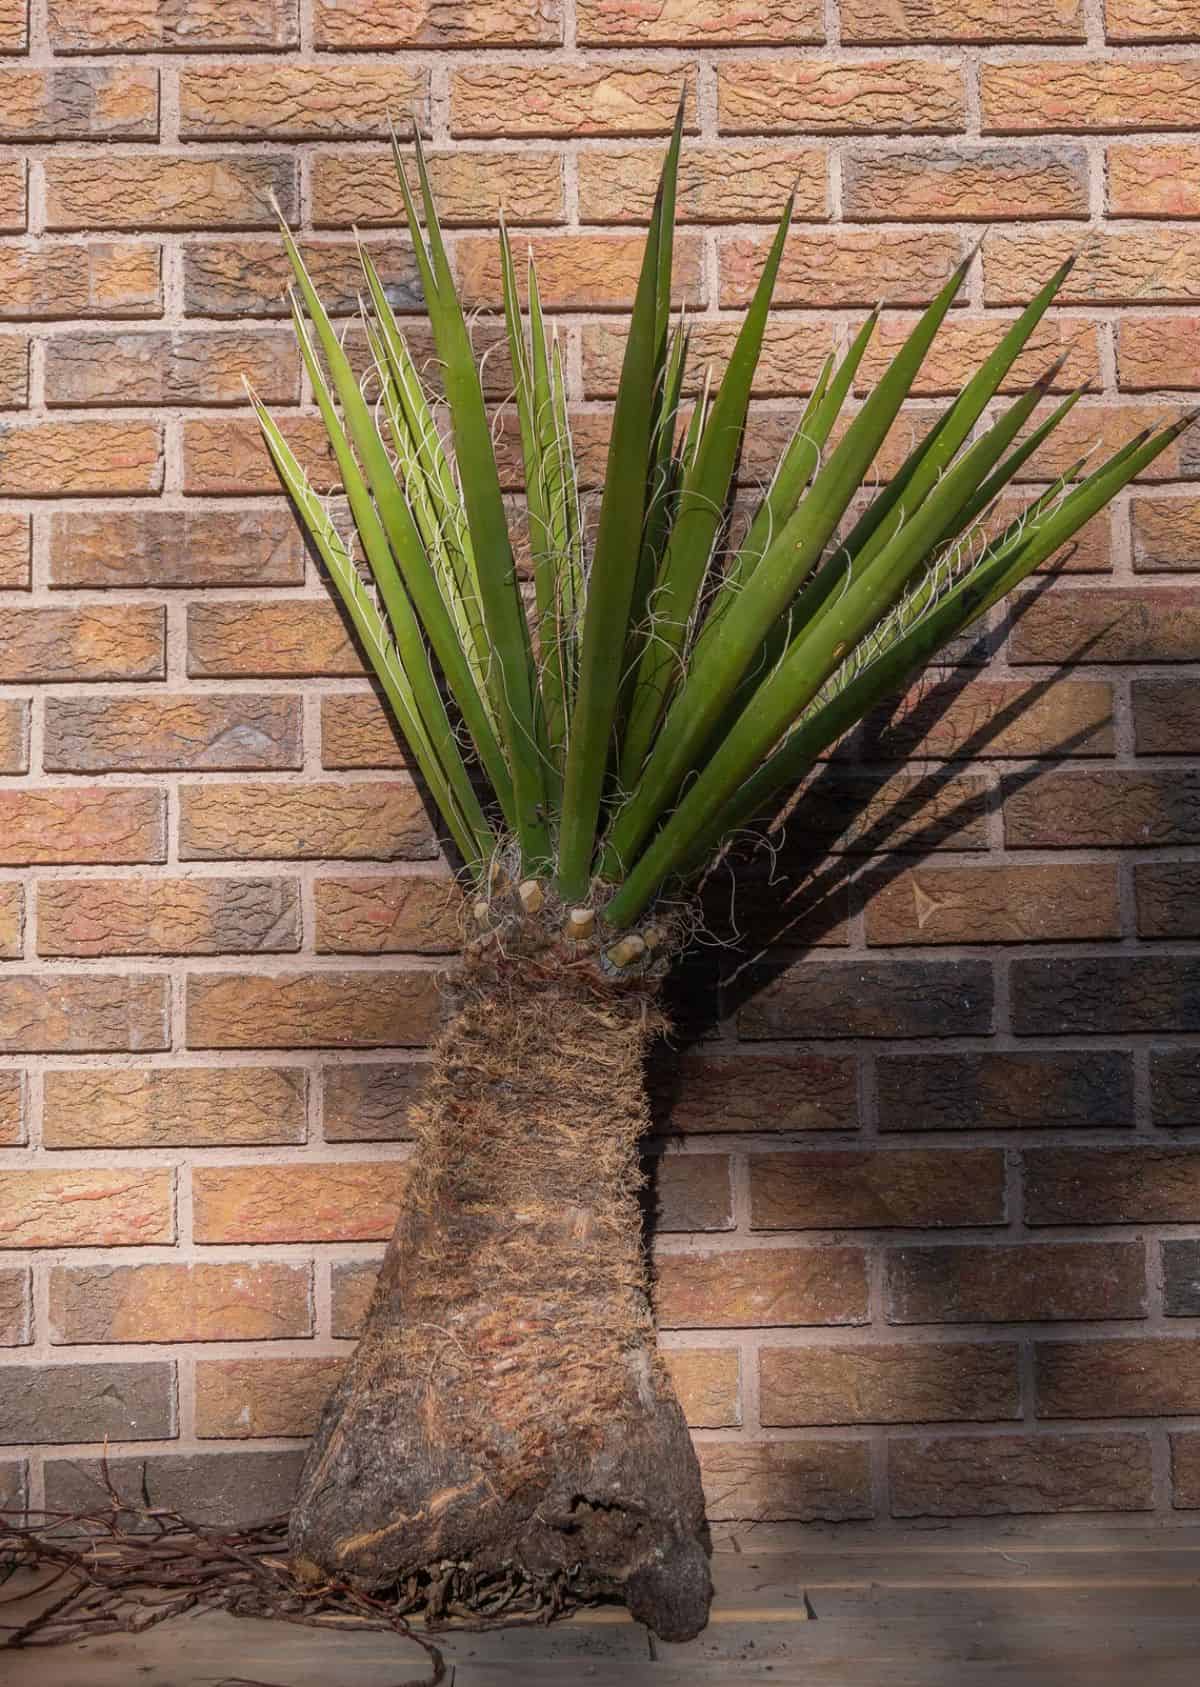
pixel 1157 180
pixel 1031 1282
pixel 241 278
pixel 68 459
pixel 691 1192
pixel 786 1481
pixel 312 1009
pixel 93 367
pixel 1166 534
pixel 706 1383
pixel 760 1287
pixel 149 547
pixel 399 914
pixel 53 279
pixel 425 23
pixel 1089 552
pixel 1142 624
pixel 14 26
pixel 986 184
pixel 1028 95
pixel 362 820
pixel 856 267
pixel 12 195
pixel 360 189
pixel 370 1103
pixel 228 455
pixel 12 1109
pixel 146 26
pixel 871 21
pixel 240 1398
pixel 357 731
pixel 1153 1377
pixel 709 1092
pixel 792 355
pixel 1155 351
pixel 576 271
pixel 78 102
pixel 1001 904
pixel 888 1384
pixel 80 824
pixel 173 1106
pixel 353 1286
pixel 854 1188
pixel 83 644
pixel 176 916
pixel 15 540
pixel 353 1202
pixel 1002 1475
pixel 832 96
pixel 1151 20
pixel 12 923
pixel 87 1403
pixel 629 23
pixel 269 640
pixel 222 1489
pixel 15 1310
pixel 144 734
pixel 131 190
pixel 726 183
pixel 1102 428
pixel 963 343
pixel 14 735
pixel 14 372
pixel 999 718
pixel 259 100
pixel 86 1209
pixel 1141 264
pixel 567 99
pixel 251 1300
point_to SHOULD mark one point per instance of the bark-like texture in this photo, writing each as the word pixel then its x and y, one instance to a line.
pixel 506 1407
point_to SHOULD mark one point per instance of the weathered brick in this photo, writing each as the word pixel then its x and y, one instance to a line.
pixel 361 189
pixel 1134 1377
pixel 86 1403
pixel 252 1300
pixel 173 1106
pixel 169 916
pixel 833 269
pixel 14 372
pixel 312 1010
pixel 354 1202
pixel 1019 1090
pixel 706 1384
pixel 78 102
pixel 229 455
pixel 873 999
pixel 691 1192
pixel 760 1287
pixel 1181 1279
pixel 1159 180
pixel 727 183
pixel 241 278
pixel 786 1481
pixel 130 190
pixel 1185 1469
pixel 1106 995
pixel 223 1489
pixel 1153 352
pixel 1027 1283
pixel 270 640
pixel 14 735
pixel 950 184
pixel 1112 1185
pixel 12 195
pixel 240 1398
pixel 94 367
pixel 83 644
pixel 1011 1475
pixel 405 913
pixel 99 734
pixel 370 1103
pixel 56 279
pixel 1141 624
pixel 148 547
pixel 1027 95
pixel 1143 264
pixel 871 21
pixel 907 96
pixel 425 23
pixel 972 716
pixel 12 920
pixel 364 820
pixel 994 904
pixel 896 1188
pixel 15 1311
pixel 1104 808
pixel 357 730
pixel 15 534
pixel 12 1109
pixel 1151 20
pixel 1166 534
pixel 1167 895
pixel 567 99
pixel 576 271
pixel 1175 1086
pixel 353 1285
pixel 877 1383
pixel 79 824
pixel 90 1209
pixel 69 459
pixel 628 23
pixel 147 26
pixel 705 1092
pixel 261 100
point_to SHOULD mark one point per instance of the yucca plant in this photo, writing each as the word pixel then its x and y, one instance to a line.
pixel 506 1429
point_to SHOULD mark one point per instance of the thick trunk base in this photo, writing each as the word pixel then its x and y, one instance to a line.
pixel 506 1416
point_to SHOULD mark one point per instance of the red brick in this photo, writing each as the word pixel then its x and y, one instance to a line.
pixel 1185 1469
pixel 87 1403
pixel 861 813
pixel 707 1092
pixel 902 1188
pixel 78 102
pixel 1181 1278
pixel 192 191
pixel 14 26
pixel 1175 1086
pixel 760 1287
pixel 404 913
pixel 229 455
pixel 630 23
pixel 12 1109
pixel 249 278
pixel 69 459
pixel 149 547
pixel 57 279
pixel 363 820
pixel 986 21
pixel 353 1202
pixel 175 916
pixel 12 195
pixel 971 716
pixel 786 1481
pixel 1166 716
pixel 101 734
pixel 14 735
pixel 11 920
pixel 83 644
pixel 1121 808
pixel 222 1489
pixel 836 269
pixel 173 1106
pixel 567 99
pixel 1099 94
pixel 576 271
pixel 792 354
pixel 877 1383
pixel 1166 534
pixel 269 640
pixel 1027 1283
pixel 79 824
pixel 357 730
pixel 84 1208
pixel 424 23
pixel 1167 895
pixel 92 367
pixel 1112 1185
pixel 147 26
pixel 1106 994
pixel 1020 1090
pixel 261 100
pixel 986 184
pixel 14 372
pixel 1151 20
pixel 14 552
pixel 312 1009
pixel 1157 180
pixel 1012 1475
pixel 726 183
pixel 872 999
pixel 1142 624
pixel 240 1398
pixel 370 1103
pixel 15 1311
pixel 1153 352
pixel 361 189
pixel 1143 264
pixel 1134 1377
pixel 908 96
pixel 691 1192
pixel 251 1300
pixel 353 1285
pixel 994 904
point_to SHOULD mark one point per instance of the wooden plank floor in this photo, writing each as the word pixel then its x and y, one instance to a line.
pixel 909 1614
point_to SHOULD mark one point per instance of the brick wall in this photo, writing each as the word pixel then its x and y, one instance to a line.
pixel 929 1216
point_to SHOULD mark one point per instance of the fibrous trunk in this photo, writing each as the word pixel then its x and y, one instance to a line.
pixel 506 1412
